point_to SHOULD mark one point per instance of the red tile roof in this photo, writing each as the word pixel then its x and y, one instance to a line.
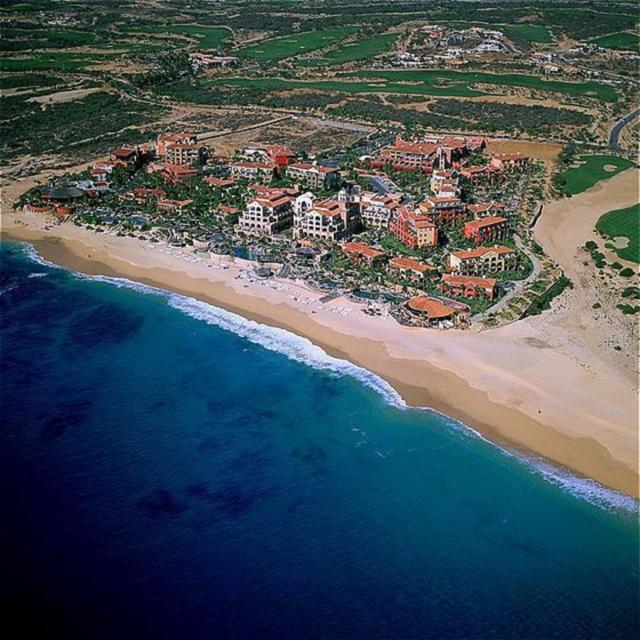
pixel 431 307
pixel 308 166
pixel 253 165
pixel 489 221
pixel 480 251
pixel 178 169
pixel 407 263
pixel 485 206
pixel 362 249
pixel 474 281
pixel 230 211
pixel 219 182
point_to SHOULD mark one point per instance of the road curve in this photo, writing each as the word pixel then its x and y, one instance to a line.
pixel 616 130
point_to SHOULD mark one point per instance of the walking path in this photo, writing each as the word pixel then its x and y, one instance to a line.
pixel 519 285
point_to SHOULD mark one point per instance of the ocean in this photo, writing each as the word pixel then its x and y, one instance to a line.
pixel 172 470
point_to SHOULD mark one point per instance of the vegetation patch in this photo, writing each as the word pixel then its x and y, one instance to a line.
pixel 359 50
pixel 500 116
pixel 469 78
pixel 591 170
pixel 623 223
pixel 543 301
pixel 36 130
pixel 624 41
pixel 34 38
pixel 208 37
pixel 29 81
pixel 349 87
pixel 58 61
pixel 527 32
pixel 286 47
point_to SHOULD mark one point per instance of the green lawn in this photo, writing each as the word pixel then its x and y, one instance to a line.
pixel 623 40
pixel 529 32
pixel 623 223
pixel 359 50
pixel 467 78
pixel 59 60
pixel 208 37
pixel 279 48
pixel 592 170
pixel 350 87
pixel 69 36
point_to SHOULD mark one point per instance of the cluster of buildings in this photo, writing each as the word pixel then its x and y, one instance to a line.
pixel 313 204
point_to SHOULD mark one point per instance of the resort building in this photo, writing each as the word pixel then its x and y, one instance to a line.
pixel 507 161
pixel 278 154
pixel 262 190
pixel 267 214
pixel 228 213
pixel 428 153
pixel 413 229
pixel 443 211
pixel 482 260
pixel 405 155
pixel 468 286
pixel 186 154
pixel 486 209
pixel 431 312
pixel 262 171
pixel 410 269
pixel 205 61
pixel 129 157
pixel 144 195
pixel 40 209
pixel 360 253
pixel 173 206
pixel 443 177
pixel 220 183
pixel 314 175
pixel 375 210
pixel 487 229
pixel 102 170
pixel 478 175
pixel 326 220
pixel 165 139
pixel 172 172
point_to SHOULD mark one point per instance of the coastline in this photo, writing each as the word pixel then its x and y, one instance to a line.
pixel 512 385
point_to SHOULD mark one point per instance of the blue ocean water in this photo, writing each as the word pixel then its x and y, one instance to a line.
pixel 169 470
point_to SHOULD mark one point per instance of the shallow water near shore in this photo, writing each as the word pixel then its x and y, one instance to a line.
pixel 173 470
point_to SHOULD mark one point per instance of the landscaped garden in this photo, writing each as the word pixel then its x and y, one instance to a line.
pixel 286 47
pixel 589 170
pixel 623 223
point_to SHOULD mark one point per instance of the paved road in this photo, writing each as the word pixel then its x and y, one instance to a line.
pixel 519 285
pixel 207 135
pixel 341 124
pixel 616 130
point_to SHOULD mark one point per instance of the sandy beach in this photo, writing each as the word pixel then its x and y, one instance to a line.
pixel 543 386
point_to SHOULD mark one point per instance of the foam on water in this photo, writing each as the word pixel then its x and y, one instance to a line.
pixel 273 338
pixel 31 253
pixel 304 351
pixel 578 486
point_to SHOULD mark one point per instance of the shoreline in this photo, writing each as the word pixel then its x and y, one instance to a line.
pixel 493 381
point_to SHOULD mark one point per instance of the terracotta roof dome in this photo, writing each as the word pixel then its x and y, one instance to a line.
pixel 431 307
